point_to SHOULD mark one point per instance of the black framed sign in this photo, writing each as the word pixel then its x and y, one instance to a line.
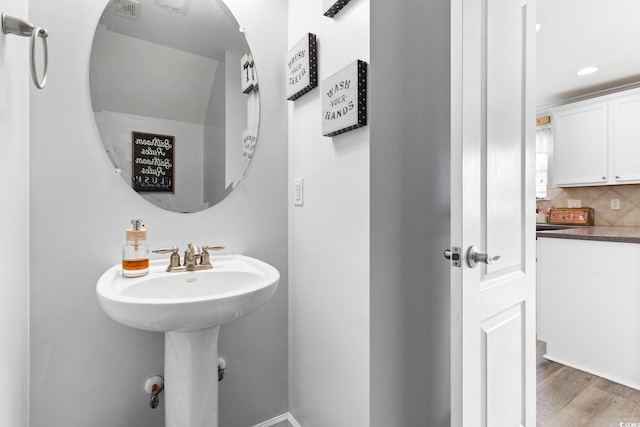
pixel 152 162
pixel 344 99
pixel 332 7
pixel 302 67
pixel 249 79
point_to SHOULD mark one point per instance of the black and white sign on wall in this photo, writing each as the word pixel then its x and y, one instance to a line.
pixel 248 74
pixel 152 159
pixel 344 99
pixel 302 67
pixel 332 7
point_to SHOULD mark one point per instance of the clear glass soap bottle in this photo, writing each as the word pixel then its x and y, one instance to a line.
pixel 135 252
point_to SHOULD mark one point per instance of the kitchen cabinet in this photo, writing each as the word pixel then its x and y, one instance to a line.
pixel 625 139
pixel 597 142
pixel 580 145
pixel 588 306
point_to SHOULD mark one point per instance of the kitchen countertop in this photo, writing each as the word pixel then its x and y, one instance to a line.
pixel 601 233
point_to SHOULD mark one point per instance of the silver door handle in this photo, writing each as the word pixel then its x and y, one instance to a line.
pixel 474 257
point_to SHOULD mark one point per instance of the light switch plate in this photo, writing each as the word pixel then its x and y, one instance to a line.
pixel 574 203
pixel 298 191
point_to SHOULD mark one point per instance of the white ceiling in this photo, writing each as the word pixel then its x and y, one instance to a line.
pixel 207 28
pixel 578 33
pixel 162 64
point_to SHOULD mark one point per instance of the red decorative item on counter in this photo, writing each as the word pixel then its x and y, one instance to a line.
pixel 571 216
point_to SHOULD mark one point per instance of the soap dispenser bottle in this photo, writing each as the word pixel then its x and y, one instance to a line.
pixel 135 252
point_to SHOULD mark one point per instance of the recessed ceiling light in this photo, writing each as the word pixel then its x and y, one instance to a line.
pixel 587 70
pixel 538 26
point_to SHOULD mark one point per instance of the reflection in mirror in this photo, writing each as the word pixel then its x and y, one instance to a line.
pixel 175 99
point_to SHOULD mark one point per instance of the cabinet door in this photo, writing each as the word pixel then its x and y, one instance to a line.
pixel 580 145
pixel 625 140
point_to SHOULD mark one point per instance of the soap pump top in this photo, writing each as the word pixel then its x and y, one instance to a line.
pixel 137 232
pixel 135 252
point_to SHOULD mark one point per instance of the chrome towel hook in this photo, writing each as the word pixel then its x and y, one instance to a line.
pixel 11 25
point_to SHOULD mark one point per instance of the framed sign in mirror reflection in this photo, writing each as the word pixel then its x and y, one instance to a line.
pixel 152 164
pixel 248 74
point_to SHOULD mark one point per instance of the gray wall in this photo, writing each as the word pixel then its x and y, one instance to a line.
pixel 329 236
pixel 14 222
pixel 410 157
pixel 377 300
pixel 87 370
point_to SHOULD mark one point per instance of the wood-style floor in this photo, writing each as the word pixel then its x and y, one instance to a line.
pixel 568 397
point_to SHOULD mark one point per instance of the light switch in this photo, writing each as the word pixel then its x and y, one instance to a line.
pixel 574 203
pixel 298 191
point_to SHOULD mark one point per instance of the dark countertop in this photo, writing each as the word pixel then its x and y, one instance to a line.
pixel 601 233
pixel 547 226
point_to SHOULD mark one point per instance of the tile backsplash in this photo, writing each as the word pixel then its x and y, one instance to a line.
pixel 599 198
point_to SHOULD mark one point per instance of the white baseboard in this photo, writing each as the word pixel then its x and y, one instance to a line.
pixel 279 419
pixel 624 381
pixel 293 421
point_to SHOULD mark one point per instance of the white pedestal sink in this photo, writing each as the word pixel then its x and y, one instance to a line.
pixel 189 308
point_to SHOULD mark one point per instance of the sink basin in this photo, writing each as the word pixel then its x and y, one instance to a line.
pixel 189 308
pixel 190 300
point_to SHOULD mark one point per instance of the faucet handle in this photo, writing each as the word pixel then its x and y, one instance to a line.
pixel 174 260
pixel 212 248
pixel 204 258
pixel 165 250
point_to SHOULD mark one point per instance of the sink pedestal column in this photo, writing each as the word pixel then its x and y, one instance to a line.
pixel 191 378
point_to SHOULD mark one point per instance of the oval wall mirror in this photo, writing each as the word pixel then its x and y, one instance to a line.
pixel 175 99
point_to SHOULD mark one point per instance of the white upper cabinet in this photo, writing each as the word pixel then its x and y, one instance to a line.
pixel 580 145
pixel 597 142
pixel 625 139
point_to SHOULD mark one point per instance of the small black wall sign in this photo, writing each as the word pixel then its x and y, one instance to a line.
pixel 302 67
pixel 152 162
pixel 344 99
pixel 249 80
pixel 332 7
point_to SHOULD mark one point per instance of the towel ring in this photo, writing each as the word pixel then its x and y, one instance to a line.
pixel 42 33
pixel 12 25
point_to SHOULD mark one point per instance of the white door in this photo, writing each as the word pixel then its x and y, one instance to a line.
pixel 493 198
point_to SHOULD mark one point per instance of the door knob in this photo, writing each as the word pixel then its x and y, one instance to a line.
pixel 474 257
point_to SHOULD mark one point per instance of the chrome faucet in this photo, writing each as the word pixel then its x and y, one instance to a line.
pixel 191 257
